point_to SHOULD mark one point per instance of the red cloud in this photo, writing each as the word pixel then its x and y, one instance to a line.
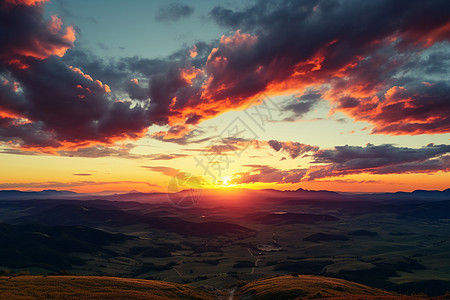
pixel 30 36
pixel 420 110
pixel 358 53
pixel 26 2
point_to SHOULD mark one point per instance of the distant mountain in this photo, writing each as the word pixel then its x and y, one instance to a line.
pixel 417 194
pixel 246 196
pixel 324 192
pixel 84 215
pixel 24 195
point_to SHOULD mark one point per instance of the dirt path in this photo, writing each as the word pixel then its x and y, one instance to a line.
pixel 256 260
pixel 231 293
pixel 178 272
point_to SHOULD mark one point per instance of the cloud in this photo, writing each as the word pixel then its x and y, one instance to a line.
pixel 352 181
pixel 20 44
pixel 369 60
pixel 191 137
pixel 173 12
pixel 165 156
pixel 26 2
pixel 300 105
pixel 181 177
pixel 58 106
pixel 294 149
pixel 355 51
pixel 349 160
pixel 382 159
pixel 58 184
pixel 235 146
pixel 101 151
pixel 48 104
pixel 263 173
pixel 413 108
pixel 121 151
pixel 82 174
pixel 168 171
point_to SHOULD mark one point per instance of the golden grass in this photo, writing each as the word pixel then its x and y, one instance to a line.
pixel 99 287
pixel 93 287
pixel 306 286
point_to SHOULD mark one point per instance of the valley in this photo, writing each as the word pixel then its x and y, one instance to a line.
pixel 399 246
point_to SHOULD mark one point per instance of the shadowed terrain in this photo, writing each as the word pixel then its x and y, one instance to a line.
pixel 397 245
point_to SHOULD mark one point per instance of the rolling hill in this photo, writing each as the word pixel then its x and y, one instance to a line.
pixel 84 215
pixel 94 287
pixel 90 287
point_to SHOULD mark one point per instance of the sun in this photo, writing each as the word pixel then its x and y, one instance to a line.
pixel 226 181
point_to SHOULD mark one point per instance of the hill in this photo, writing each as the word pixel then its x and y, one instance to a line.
pixel 84 215
pixel 51 247
pixel 309 286
pixel 90 287
pixel 94 287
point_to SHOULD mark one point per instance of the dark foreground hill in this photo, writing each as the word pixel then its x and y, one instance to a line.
pixel 90 287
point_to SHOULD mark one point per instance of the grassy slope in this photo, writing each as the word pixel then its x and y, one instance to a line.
pixel 306 286
pixel 91 287
pixel 95 287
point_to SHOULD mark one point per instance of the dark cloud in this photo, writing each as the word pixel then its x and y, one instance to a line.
pixel 294 149
pixel 367 58
pixel 173 12
pixel 20 44
pixel 122 151
pixel 50 104
pixel 299 106
pixel 357 49
pixel 135 91
pixel 382 159
pixel 348 160
pixel 235 146
pixel 100 151
pixel 82 174
pixel 263 173
pixel 191 137
pixel 67 106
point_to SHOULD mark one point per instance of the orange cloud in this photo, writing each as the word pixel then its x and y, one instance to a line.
pixel 193 52
pixel 26 2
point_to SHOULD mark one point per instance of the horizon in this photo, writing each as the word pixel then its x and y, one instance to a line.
pixel 217 189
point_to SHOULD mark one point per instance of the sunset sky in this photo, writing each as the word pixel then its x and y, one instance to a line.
pixel 116 96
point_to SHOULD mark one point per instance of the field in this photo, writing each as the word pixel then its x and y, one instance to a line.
pixel 94 287
pixel 397 246
pixel 70 287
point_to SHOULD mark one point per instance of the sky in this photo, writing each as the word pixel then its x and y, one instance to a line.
pixel 117 96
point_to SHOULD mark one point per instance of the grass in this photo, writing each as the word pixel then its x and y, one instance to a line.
pixel 93 287
pixel 305 286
